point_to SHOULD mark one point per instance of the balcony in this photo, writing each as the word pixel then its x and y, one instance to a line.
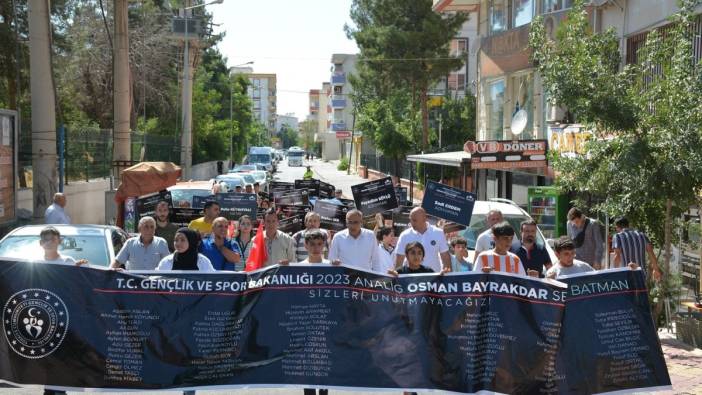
pixel 338 78
pixel 338 126
pixel 338 102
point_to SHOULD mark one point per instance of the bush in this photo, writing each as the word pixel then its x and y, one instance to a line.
pixel 343 164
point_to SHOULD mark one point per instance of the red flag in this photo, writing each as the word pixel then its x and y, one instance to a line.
pixel 258 255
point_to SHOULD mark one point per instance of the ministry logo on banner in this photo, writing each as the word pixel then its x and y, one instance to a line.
pixel 35 322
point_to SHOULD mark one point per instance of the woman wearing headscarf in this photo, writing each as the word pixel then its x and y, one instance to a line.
pixel 186 256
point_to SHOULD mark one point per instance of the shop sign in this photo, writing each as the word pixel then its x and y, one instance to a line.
pixel 568 140
pixel 507 154
pixel 343 134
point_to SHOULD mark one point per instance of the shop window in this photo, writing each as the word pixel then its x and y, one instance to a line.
pixel 522 12
pixel 555 5
pixel 494 109
pixel 523 99
pixel 498 14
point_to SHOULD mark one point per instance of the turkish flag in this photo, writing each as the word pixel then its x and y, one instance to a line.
pixel 258 255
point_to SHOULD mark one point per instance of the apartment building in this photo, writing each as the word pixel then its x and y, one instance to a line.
pixel 262 92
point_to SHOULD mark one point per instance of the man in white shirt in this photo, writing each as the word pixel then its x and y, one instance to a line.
pixel 432 239
pixel 50 240
pixel 485 240
pixel 55 213
pixel 354 246
pixel 143 252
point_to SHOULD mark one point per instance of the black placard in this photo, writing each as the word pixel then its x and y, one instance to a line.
pixel 298 197
pixel 292 225
pixel 326 191
pixel 146 205
pixel 449 203
pixel 333 215
pixel 183 216
pixel 312 186
pixel 374 196
pixel 234 205
pixel 288 210
pixel 199 201
pixel 325 326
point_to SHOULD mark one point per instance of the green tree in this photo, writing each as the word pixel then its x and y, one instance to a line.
pixel 288 136
pixel 646 159
pixel 402 44
pixel 457 123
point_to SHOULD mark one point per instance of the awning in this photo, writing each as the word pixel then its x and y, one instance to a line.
pixel 453 159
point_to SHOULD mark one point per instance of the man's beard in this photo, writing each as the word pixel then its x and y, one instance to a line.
pixel 529 239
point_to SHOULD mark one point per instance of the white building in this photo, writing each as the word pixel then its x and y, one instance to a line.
pixel 262 92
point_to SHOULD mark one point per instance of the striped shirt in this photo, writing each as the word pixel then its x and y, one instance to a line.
pixel 508 263
pixel 632 244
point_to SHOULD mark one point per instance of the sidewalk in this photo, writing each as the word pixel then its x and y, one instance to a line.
pixel 684 365
pixel 327 172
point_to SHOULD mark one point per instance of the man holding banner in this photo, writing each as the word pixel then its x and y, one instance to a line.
pixel 204 223
pixel 223 253
pixel 354 246
pixel 432 239
pixel 279 245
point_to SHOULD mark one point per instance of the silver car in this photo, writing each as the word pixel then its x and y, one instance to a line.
pixel 97 243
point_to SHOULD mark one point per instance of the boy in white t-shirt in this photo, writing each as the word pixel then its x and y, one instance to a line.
pixel 50 239
pixel 499 258
pixel 315 243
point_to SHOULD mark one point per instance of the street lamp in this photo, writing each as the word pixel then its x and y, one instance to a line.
pixel 186 155
pixel 231 94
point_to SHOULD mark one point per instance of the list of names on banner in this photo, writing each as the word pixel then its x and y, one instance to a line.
pixel 618 332
pixel 125 350
pixel 308 353
pixel 218 339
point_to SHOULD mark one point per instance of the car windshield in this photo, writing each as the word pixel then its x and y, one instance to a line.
pixel 293 154
pixel 260 158
pixel 259 175
pixel 478 224
pixel 92 248
pixel 184 197
pixel 232 182
pixel 248 178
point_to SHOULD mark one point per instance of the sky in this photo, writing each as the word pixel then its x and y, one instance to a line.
pixel 291 38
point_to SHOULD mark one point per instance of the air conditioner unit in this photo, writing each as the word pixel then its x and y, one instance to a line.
pixel 555 113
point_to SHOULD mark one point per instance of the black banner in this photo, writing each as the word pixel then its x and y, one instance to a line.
pixel 233 205
pixel 374 196
pixel 288 210
pixel 292 224
pixel 333 215
pixel 297 197
pixel 326 191
pixel 609 340
pixel 199 201
pixel 448 203
pixel 312 186
pixel 183 216
pixel 146 205
pixel 310 326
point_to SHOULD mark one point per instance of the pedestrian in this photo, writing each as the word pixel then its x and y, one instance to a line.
pixel 385 235
pixel 312 221
pixel 164 228
pixel 485 241
pixel 315 244
pixel 50 240
pixel 459 259
pixel 354 246
pixel 534 256
pixel 567 264
pixel 632 245
pixel 223 253
pixel 499 258
pixel 308 174
pixel 238 189
pixel 186 256
pixel 244 237
pixel 432 238
pixel 204 223
pixel 249 189
pixel 142 252
pixel 337 198
pixel 280 246
pixel 257 188
pixel 586 236
pixel 55 213
pixel 414 251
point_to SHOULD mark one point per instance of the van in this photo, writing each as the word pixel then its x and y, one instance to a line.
pixel 261 156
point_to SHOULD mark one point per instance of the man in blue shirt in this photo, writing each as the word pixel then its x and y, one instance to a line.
pixel 224 253
pixel 534 256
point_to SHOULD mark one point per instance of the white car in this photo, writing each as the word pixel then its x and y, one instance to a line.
pixel 511 212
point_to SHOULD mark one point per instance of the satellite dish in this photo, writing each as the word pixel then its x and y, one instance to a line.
pixel 519 122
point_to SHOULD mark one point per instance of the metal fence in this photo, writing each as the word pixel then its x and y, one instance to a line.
pixel 88 152
pixel 387 166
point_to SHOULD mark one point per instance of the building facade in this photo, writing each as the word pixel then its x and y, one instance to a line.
pixel 288 119
pixel 325 136
pixel 262 91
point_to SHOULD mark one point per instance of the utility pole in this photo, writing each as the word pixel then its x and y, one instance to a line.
pixel 122 147
pixel 43 108
pixel 186 138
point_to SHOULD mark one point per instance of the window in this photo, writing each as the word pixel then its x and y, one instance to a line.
pixel 339 68
pixel 497 13
pixel 494 109
pixel 457 82
pixel 522 12
pixel 555 5
pixel 523 97
pixel 459 46
pixel 337 89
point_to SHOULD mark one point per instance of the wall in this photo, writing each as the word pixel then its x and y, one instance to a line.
pixel 85 200
pixel 207 170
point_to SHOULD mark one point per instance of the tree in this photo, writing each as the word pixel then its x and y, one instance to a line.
pixel 288 136
pixel 457 122
pixel 308 128
pixel 402 44
pixel 646 157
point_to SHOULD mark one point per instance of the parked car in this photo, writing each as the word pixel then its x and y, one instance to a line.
pixel 243 168
pixel 262 178
pixel 182 193
pixel 232 180
pixel 97 243
pixel 511 212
